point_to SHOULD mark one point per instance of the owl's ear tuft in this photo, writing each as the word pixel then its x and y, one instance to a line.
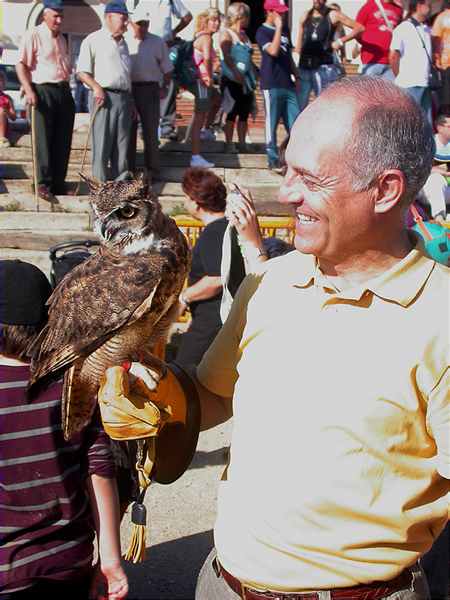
pixel 93 183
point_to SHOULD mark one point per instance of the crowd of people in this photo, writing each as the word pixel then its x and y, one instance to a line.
pixel 134 76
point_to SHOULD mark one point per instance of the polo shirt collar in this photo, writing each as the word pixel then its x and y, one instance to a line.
pixel 400 284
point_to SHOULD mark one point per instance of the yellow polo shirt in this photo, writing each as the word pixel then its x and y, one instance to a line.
pixel 340 455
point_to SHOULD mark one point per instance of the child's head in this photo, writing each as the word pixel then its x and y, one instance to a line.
pixel 23 311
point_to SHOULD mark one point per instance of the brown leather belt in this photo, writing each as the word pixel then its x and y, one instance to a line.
pixel 370 591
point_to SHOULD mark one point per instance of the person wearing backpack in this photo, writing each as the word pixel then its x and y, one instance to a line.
pixel 207 99
pixel 238 76
pixel 170 9
pixel 410 54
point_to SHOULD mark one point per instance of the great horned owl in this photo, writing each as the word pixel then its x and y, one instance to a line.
pixel 118 304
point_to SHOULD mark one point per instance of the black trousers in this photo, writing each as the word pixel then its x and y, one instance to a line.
pixel 55 114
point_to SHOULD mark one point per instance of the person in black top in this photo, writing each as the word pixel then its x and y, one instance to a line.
pixel 205 200
pixel 316 46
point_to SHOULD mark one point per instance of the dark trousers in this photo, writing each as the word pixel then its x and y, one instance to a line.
pixel 168 108
pixel 54 114
pixel 146 100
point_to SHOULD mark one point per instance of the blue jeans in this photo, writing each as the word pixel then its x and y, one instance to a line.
pixel 316 80
pixel 212 587
pixel 378 70
pixel 279 103
pixel 422 96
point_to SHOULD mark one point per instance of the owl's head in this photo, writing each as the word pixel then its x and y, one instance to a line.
pixel 124 210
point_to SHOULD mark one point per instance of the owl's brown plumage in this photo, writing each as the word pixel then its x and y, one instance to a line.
pixel 116 305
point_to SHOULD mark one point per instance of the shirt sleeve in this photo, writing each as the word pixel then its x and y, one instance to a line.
pixel 262 39
pixel 217 370
pixel 362 15
pixel 28 50
pixel 397 41
pixel 97 451
pixel 438 422
pixel 179 10
pixel 86 58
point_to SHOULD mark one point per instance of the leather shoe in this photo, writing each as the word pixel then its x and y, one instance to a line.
pixel 44 193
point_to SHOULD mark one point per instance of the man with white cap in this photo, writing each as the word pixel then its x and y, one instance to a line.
pixel 104 65
pixel 150 67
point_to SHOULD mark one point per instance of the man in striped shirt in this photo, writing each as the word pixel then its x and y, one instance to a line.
pixel 52 492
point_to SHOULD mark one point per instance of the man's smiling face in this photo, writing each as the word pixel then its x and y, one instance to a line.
pixel 331 220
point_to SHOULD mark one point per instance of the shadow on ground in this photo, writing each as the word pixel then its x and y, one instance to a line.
pixel 208 459
pixel 170 570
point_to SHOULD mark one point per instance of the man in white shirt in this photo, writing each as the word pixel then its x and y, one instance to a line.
pixel 150 66
pixel 410 54
pixel 171 9
pixel 104 65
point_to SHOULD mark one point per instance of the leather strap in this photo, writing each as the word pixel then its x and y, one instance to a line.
pixel 372 591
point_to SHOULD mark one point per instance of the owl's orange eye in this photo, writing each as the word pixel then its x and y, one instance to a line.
pixel 127 212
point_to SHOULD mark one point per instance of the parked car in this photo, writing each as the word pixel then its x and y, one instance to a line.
pixel 12 88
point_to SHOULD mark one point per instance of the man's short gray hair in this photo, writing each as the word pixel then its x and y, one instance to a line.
pixel 390 132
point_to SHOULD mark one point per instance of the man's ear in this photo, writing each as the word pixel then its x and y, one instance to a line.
pixel 391 186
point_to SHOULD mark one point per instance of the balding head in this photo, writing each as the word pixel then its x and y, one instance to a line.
pixel 389 131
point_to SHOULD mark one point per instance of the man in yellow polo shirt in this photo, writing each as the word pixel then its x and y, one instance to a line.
pixel 336 360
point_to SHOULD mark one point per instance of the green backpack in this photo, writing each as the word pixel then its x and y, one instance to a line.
pixel 181 56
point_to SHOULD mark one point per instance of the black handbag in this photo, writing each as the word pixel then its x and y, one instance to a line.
pixel 435 76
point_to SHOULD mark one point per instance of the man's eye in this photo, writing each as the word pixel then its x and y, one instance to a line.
pixel 127 212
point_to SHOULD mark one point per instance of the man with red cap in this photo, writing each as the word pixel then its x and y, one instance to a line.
pixel 279 75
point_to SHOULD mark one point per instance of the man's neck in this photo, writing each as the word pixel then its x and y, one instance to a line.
pixel 359 268
pixel 443 139
pixel 419 18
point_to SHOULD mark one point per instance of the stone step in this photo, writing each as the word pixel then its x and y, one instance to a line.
pixel 39 240
pixel 249 177
pixel 44 221
pixel 19 198
pixel 168 159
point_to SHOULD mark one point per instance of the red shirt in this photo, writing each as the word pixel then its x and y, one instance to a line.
pixel 376 39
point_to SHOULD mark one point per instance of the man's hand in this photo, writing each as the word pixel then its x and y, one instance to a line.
pixel 278 21
pixel 99 95
pixel 109 582
pixel 31 97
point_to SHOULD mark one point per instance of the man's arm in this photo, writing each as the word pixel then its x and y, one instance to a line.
pixel 299 43
pixel 394 61
pixel 24 75
pixel 98 91
pixel 183 23
pixel 274 47
pixel 356 28
pixel 206 287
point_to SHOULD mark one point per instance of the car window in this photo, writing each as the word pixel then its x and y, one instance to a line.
pixel 12 82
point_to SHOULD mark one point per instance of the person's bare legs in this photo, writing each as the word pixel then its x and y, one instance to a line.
pixel 199 119
pixel 3 123
pixel 242 128
pixel 228 130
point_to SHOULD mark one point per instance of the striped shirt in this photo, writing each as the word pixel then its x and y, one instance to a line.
pixel 45 518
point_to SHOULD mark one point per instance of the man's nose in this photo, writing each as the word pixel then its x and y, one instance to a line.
pixel 291 192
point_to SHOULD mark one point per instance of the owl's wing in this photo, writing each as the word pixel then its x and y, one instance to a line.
pixel 91 303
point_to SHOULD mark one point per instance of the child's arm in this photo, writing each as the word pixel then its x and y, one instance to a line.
pixel 11 110
pixel 105 510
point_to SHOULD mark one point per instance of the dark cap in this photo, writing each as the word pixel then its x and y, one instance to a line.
pixel 24 290
pixel 53 5
pixel 116 6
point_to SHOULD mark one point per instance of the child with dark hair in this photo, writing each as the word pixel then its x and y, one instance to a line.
pixel 54 494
